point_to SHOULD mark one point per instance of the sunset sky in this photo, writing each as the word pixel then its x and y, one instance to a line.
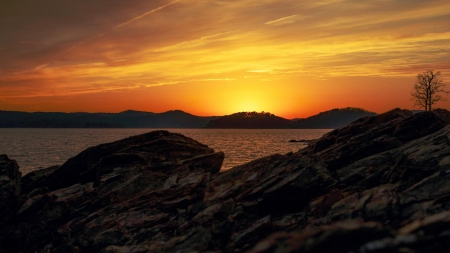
pixel 291 58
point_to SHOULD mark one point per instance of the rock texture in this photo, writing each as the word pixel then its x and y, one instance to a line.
pixel 381 184
pixel 10 182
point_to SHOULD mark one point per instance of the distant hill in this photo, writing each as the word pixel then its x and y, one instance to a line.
pixel 250 120
pixel 332 119
pixel 131 119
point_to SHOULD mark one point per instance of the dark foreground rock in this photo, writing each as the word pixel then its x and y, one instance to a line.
pixel 10 182
pixel 381 184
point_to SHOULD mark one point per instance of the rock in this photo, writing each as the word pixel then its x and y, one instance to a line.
pixel 10 183
pixel 260 229
pixel 421 124
pixel 362 128
pixel 430 234
pixel 339 237
pixel 32 182
pixel 378 185
pixel 142 181
pixel 155 149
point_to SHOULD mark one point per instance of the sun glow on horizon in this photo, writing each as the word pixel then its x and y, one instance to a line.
pixel 248 106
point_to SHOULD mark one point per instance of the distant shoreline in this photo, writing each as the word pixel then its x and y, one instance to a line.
pixel 331 119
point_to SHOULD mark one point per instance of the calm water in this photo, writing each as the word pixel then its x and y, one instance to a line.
pixel 41 148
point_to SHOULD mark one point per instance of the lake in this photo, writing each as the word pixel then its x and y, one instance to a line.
pixel 36 148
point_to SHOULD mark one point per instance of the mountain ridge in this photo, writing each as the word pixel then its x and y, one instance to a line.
pixel 334 118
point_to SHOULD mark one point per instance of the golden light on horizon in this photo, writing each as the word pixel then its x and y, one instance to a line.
pixel 248 106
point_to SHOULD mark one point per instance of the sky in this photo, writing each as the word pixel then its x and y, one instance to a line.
pixel 291 58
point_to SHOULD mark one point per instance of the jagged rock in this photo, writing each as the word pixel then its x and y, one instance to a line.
pixel 32 182
pixel 10 183
pixel 91 213
pixel 361 129
pixel 378 185
pixel 260 229
pixel 431 234
pixel 339 237
pixel 376 134
pixel 157 149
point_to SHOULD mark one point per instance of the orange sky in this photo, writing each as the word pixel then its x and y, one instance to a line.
pixel 291 58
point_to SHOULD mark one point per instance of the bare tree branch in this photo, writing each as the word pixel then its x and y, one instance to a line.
pixel 424 91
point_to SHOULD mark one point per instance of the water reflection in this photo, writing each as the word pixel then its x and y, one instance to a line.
pixel 41 148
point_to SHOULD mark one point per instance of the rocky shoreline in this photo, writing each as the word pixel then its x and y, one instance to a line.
pixel 380 184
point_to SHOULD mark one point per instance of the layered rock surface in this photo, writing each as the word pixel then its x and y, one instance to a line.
pixel 381 184
pixel 10 183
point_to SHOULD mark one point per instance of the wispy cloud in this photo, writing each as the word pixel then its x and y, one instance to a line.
pixel 188 81
pixel 113 44
pixel 145 14
pixel 287 20
pixel 122 24
pixel 195 42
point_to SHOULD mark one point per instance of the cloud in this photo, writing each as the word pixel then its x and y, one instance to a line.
pixel 145 14
pixel 287 20
pixel 76 45
pixel 40 66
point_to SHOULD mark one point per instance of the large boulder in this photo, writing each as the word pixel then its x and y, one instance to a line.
pixel 108 191
pixel 158 149
pixel 378 185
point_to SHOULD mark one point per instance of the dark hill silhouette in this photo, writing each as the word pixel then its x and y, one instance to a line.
pixel 179 119
pixel 250 120
pixel 335 118
pixel 132 119
pixel 332 119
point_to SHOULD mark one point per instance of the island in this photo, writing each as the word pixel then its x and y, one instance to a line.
pixel 255 120
pixel 332 119
pixel 379 184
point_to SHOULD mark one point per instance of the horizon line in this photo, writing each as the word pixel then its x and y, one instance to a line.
pixel 131 110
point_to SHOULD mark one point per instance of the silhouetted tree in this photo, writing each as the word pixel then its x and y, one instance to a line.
pixel 427 86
